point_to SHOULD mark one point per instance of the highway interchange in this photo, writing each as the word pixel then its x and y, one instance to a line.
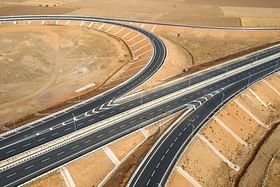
pixel 151 172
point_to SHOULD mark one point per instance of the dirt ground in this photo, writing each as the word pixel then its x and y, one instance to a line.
pixel 239 124
pixel 41 66
pixel 50 180
pixel 202 12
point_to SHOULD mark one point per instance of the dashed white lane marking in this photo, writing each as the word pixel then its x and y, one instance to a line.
pixel 43 22
pixel 272 87
pixel 67 177
pixel 76 146
pixel 26 145
pixel 8 176
pixel 145 133
pixel 218 153
pixel 111 155
pixel 187 176
pixel 56 22
pixel 45 160
pixel 60 153
pixel 10 151
pixel 222 124
pixel 153 28
pixel 28 167
pixel 258 98
pixel 82 23
pixel 251 114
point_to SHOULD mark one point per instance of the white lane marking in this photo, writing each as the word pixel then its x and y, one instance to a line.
pixel 218 153
pixel 8 176
pixel 10 151
pixel 60 153
pixel 45 160
pixel 76 146
pixel 122 126
pixel 54 134
pixel 41 139
pixel 143 25
pixel 81 24
pixel 100 135
pixel 251 114
pixel 111 155
pixel 68 128
pixel 222 124
pixel 88 141
pixel 26 145
pixel 187 176
pixel 31 166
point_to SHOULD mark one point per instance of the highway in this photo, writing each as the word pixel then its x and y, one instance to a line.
pixel 57 157
pixel 158 164
pixel 40 134
pixel 155 63
pixel 104 107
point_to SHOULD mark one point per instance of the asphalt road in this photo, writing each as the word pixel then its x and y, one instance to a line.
pixel 156 62
pixel 158 164
pixel 51 160
pixel 37 134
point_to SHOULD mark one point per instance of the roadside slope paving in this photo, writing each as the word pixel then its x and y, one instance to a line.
pixel 234 132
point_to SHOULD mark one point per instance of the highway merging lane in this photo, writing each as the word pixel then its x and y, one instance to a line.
pixel 40 134
pixel 158 164
pixel 50 160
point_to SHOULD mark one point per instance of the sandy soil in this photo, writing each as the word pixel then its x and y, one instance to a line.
pixel 202 12
pixel 125 145
pixel 95 167
pixel 178 180
pixel 204 166
pixel 123 173
pixel 50 180
pixel 48 64
pixel 256 172
pixel 273 174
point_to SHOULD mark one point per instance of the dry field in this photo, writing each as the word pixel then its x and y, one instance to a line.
pixel 41 66
pixel 230 147
pixel 202 12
